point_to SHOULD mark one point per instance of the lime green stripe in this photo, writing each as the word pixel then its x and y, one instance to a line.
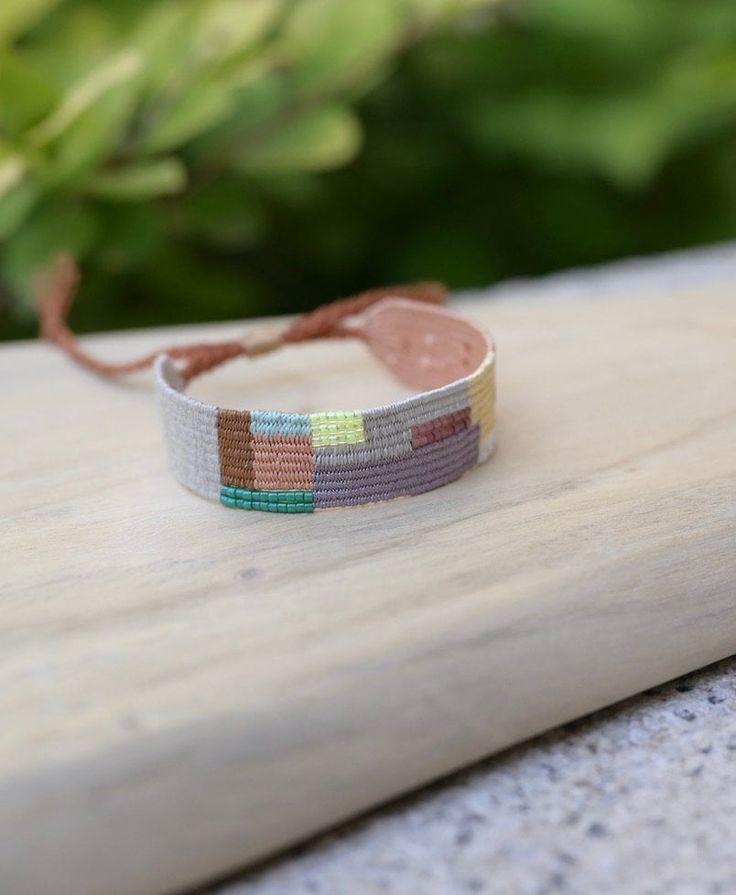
pixel 337 427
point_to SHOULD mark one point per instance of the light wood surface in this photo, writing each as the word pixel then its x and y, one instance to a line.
pixel 185 688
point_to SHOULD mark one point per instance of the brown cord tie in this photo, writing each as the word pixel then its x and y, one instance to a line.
pixel 58 288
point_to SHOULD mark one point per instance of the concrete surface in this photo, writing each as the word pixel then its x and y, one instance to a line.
pixel 639 799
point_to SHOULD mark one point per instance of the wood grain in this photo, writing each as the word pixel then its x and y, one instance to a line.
pixel 184 688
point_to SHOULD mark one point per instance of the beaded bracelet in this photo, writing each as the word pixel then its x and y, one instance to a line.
pixel 300 462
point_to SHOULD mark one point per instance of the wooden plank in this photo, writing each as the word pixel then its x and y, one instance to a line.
pixel 185 688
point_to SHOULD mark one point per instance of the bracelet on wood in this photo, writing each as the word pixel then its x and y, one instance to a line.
pixel 301 462
pixel 287 462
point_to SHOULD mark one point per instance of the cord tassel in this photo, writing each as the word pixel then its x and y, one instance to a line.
pixel 58 287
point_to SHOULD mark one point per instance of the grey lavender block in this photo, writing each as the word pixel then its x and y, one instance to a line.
pixel 421 470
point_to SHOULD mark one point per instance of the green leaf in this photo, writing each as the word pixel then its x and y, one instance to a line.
pixel 196 88
pixel 144 180
pixel 18 192
pixel 121 69
pixel 626 136
pixel 55 226
pixel 15 205
pixel 25 94
pixel 256 103
pixel 161 36
pixel 96 135
pixel 183 42
pixel 317 140
pixel 433 13
pixel 91 122
pixel 12 171
pixel 16 16
pixel 191 114
pixel 71 41
pixel 333 43
pixel 225 28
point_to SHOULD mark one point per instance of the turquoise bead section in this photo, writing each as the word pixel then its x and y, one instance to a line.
pixel 267 501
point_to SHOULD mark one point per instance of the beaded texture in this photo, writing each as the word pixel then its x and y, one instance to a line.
pixel 297 463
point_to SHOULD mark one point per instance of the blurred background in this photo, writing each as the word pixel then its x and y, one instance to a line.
pixel 208 159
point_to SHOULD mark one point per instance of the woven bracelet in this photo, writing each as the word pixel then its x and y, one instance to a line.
pixel 300 462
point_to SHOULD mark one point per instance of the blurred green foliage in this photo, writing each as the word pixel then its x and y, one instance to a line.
pixel 179 147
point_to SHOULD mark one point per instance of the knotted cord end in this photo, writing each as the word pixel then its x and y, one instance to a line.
pixel 58 285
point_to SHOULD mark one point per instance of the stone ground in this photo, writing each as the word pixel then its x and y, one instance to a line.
pixel 638 799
